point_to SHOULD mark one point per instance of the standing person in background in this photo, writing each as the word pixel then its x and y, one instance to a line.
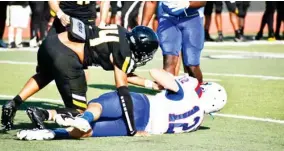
pixel 242 11
pixel 268 19
pixel 38 22
pixel 3 10
pixel 208 13
pixel 180 29
pixel 233 11
pixel 280 19
pixel 18 19
pixel 129 13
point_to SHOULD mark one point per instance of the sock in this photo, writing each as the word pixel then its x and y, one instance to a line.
pixel 19 36
pixel 220 33
pixel 18 101
pixel 237 33
pixel 10 35
pixel 88 116
pixel 61 133
pixel 242 30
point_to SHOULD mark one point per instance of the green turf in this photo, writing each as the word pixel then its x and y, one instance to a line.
pixel 246 96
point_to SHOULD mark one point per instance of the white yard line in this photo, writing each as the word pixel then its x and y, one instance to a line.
pixel 250 118
pixel 268 120
pixel 264 77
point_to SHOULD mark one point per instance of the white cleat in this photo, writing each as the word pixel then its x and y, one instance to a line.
pixel 35 134
pixel 77 122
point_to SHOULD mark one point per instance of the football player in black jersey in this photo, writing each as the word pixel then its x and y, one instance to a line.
pixel 62 58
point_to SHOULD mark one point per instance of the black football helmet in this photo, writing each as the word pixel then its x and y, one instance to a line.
pixel 144 43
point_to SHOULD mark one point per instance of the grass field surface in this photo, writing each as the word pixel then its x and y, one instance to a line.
pixel 252 77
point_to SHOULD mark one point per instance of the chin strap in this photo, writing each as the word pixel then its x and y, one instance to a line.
pixel 211 115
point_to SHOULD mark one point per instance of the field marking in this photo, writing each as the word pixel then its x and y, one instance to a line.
pixel 263 77
pixel 250 118
pixel 215 114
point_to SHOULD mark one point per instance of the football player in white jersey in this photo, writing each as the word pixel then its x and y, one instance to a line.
pixel 177 109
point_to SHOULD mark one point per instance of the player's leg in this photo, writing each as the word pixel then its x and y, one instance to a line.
pixel 3 11
pixel 233 11
pixel 193 43
pixel 242 11
pixel 280 19
pixel 33 85
pixel 170 42
pixel 208 13
pixel 218 19
pixel 271 6
pixel 70 80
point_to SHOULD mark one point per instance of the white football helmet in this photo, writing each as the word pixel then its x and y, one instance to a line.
pixel 214 97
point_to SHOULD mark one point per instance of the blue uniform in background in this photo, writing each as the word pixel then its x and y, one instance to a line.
pixel 181 30
pixel 111 122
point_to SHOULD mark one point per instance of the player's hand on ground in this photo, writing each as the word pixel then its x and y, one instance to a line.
pixel 142 134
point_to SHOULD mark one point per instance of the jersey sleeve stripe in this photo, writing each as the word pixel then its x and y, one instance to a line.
pixel 125 64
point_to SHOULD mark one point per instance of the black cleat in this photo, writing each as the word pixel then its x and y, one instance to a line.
pixel 220 38
pixel 258 36
pixel 37 116
pixel 7 117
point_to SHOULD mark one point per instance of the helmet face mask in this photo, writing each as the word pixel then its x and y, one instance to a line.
pixel 214 97
pixel 143 43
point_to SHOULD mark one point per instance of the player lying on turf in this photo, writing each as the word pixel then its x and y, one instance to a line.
pixel 63 57
pixel 180 108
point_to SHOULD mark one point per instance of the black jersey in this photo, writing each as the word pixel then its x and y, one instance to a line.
pixel 83 10
pixel 103 42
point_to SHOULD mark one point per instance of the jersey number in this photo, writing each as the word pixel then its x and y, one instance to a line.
pixel 185 126
pixel 104 37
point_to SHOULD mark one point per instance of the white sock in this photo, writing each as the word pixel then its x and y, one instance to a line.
pixel 10 34
pixel 19 36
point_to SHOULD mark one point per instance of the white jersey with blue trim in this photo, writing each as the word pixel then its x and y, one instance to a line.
pixel 178 112
pixel 173 9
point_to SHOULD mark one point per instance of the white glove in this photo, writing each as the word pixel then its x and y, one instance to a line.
pixel 36 134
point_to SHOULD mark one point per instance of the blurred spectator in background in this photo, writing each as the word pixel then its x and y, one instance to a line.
pixel 279 20
pixel 129 13
pixel 208 13
pixel 233 11
pixel 38 22
pixel 242 7
pixel 18 19
pixel 3 10
pixel 267 18
pixel 114 9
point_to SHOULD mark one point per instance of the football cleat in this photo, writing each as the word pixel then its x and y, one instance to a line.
pixel 37 116
pixel 35 134
pixel 77 122
pixel 7 117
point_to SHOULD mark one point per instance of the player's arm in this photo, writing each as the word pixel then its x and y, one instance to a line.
pixel 54 5
pixel 137 80
pixel 105 5
pixel 125 99
pixel 148 11
pixel 165 79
